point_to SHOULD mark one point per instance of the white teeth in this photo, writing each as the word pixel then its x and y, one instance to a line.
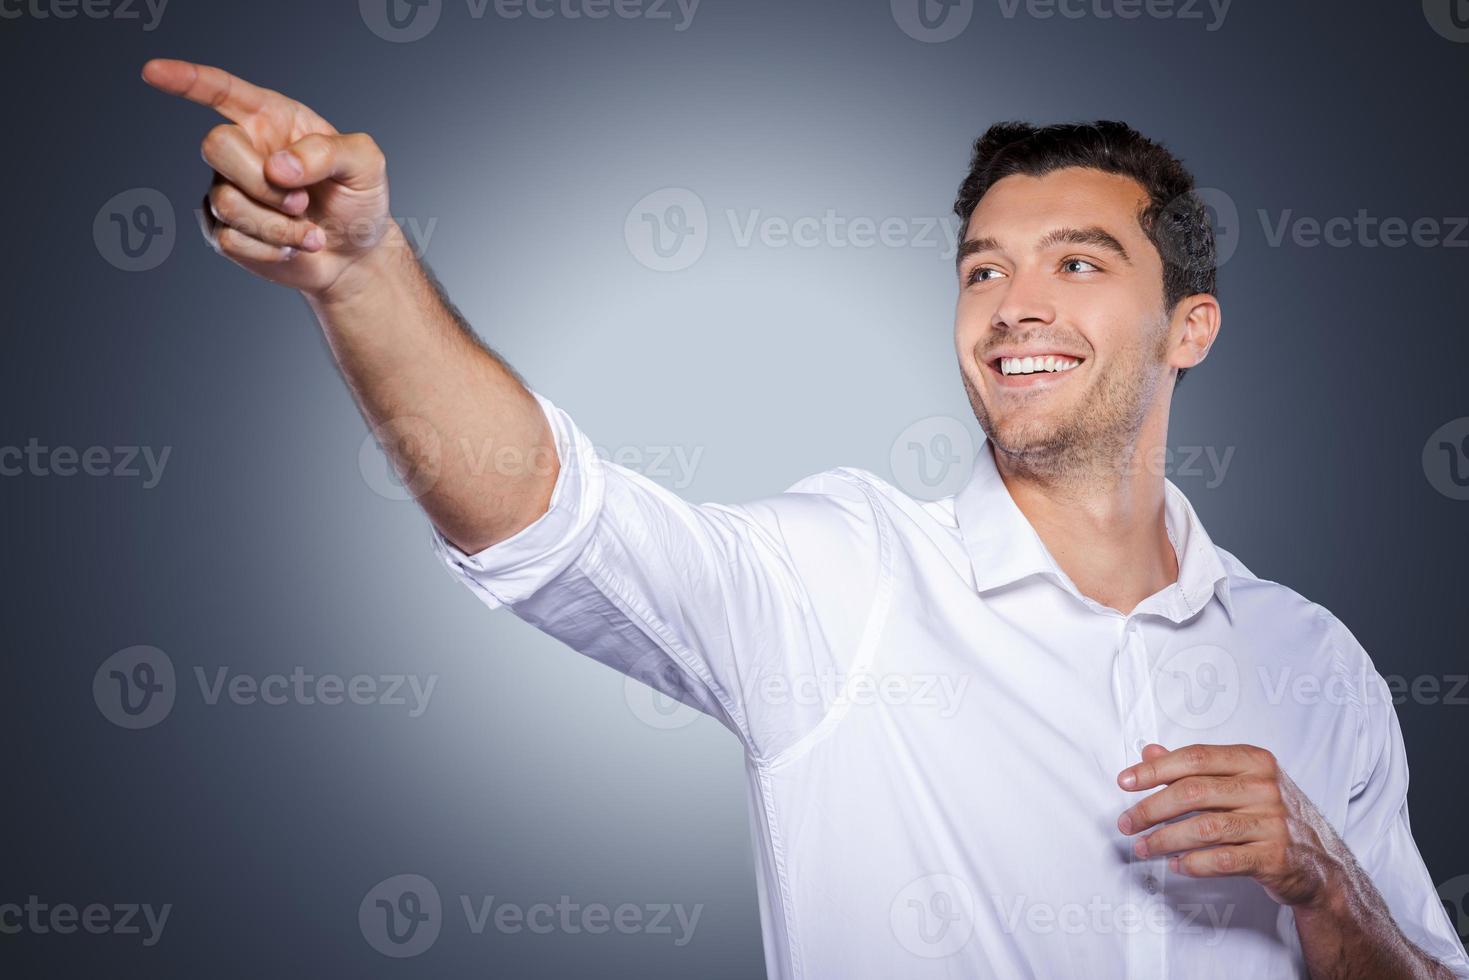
pixel 1033 365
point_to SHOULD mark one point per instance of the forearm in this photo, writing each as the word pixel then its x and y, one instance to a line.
pixel 463 432
pixel 1351 933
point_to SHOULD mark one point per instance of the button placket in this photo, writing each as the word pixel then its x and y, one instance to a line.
pixel 1146 945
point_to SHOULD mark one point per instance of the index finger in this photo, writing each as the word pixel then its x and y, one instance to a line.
pixel 232 97
pixel 1191 760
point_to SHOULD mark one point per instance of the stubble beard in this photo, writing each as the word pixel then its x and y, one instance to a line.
pixel 1092 443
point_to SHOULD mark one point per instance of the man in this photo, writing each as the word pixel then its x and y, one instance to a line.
pixel 1089 642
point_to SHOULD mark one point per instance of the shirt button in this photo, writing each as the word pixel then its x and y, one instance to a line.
pixel 1151 884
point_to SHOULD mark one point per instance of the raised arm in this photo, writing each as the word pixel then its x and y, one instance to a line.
pixel 296 202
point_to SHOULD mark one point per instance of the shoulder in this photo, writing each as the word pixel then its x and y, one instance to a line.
pixel 1302 631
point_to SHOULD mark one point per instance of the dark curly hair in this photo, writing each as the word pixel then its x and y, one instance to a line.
pixel 1174 219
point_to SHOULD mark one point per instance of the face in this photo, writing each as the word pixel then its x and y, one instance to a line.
pixel 1063 340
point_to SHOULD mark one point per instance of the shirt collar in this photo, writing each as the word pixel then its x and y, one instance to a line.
pixel 1003 547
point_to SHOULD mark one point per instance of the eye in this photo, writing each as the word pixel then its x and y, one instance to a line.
pixel 978 273
pixel 1066 265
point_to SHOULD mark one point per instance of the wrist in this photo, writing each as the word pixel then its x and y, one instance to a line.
pixel 386 260
pixel 1333 900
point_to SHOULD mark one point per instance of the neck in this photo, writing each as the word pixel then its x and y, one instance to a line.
pixel 1101 514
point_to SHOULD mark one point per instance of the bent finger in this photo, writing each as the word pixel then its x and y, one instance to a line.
pixel 235 209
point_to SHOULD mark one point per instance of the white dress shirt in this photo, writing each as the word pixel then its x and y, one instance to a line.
pixel 934 717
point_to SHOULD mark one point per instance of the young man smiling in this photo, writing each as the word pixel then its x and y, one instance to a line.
pixel 1114 650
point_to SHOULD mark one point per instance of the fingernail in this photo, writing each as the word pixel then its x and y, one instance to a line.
pixel 1124 824
pixel 286 163
pixel 1128 779
pixel 314 240
pixel 1140 847
pixel 1173 864
pixel 296 201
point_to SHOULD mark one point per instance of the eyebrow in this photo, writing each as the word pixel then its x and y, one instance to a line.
pixel 1091 235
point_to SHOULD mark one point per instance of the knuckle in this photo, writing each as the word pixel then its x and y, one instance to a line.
pixel 215 141
pixel 1195 756
pixel 1192 790
pixel 312 147
pixel 1210 829
pixel 228 241
pixel 225 201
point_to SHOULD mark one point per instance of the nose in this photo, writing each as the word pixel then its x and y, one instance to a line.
pixel 1026 302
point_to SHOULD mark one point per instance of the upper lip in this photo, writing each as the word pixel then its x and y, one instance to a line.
pixel 995 357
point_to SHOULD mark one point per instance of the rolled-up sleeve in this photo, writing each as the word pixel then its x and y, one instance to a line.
pixel 513 569
pixel 736 610
pixel 1377 828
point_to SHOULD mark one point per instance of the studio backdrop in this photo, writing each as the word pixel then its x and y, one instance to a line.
pixel 719 234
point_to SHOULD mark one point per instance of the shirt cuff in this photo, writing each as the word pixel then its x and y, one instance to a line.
pixel 512 570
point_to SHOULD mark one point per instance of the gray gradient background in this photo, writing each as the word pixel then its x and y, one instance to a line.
pixel 264 548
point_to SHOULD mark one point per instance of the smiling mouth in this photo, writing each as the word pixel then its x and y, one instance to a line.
pixel 1031 370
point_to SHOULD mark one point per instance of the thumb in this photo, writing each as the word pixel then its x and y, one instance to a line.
pixel 354 159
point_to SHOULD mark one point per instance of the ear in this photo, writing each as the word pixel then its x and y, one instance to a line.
pixel 1195 324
